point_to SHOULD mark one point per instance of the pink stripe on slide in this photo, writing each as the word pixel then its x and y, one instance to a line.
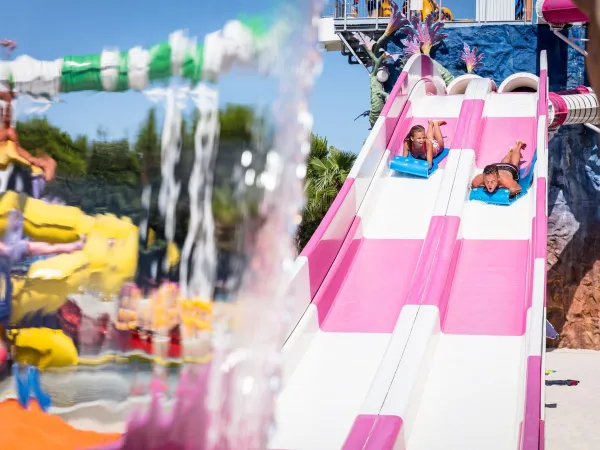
pixel 397 90
pixel 426 67
pixel 530 435
pixel 500 133
pixel 470 122
pixel 435 261
pixel 369 287
pixel 321 250
pixel 371 432
pixel 542 108
pixel 488 290
pixel 541 221
pixel 334 278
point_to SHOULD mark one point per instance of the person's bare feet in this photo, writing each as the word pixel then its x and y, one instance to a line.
pixel 438 122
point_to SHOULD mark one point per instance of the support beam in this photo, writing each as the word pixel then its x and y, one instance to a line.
pixel 353 52
pixel 569 42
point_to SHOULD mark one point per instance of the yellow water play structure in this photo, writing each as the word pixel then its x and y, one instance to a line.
pixel 9 155
pixel 42 347
pixel 107 261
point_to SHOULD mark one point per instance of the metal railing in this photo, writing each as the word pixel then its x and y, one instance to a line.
pixel 484 11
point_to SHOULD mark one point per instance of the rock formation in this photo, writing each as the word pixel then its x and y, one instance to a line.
pixel 573 292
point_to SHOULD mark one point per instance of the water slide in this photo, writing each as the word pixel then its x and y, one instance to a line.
pixel 420 314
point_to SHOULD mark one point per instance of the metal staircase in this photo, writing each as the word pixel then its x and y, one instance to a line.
pixel 353 50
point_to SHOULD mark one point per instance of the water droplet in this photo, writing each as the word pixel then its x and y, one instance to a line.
pixel 247 385
pixel 246 158
pixel 250 177
pixel 305 148
pixel 301 170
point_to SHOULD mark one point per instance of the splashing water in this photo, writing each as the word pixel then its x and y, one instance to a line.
pixel 246 365
pixel 170 152
pixel 245 370
pixel 179 429
pixel 201 225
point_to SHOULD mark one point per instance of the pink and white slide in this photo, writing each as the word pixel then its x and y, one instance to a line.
pixel 420 314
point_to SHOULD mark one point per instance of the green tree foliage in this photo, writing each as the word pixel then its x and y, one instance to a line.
pixel 37 134
pixel 327 170
pixel 107 176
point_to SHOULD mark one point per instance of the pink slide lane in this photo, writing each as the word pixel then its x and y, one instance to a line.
pixel 489 289
pixel 500 134
pixel 373 432
pixel 367 289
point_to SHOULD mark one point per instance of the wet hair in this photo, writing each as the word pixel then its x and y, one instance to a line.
pixel 414 130
pixel 490 169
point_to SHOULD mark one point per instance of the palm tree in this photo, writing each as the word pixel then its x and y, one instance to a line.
pixel 325 176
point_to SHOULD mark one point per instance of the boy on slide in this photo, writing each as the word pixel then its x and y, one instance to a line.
pixel 502 175
pixel 422 145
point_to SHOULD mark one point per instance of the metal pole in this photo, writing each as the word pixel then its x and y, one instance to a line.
pixel 569 42
pixel 592 127
pixel 345 15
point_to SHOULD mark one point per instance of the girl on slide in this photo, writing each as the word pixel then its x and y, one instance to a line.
pixel 423 145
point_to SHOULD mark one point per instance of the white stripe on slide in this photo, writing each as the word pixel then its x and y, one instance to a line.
pixel 535 314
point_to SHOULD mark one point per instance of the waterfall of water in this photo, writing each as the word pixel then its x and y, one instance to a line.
pixel 170 152
pixel 200 236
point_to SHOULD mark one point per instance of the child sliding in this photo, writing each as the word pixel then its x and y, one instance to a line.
pixel 423 145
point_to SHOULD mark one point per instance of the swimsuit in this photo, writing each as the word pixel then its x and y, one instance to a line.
pixel 514 171
pixel 436 150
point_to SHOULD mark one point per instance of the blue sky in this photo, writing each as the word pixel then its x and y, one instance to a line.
pixel 52 29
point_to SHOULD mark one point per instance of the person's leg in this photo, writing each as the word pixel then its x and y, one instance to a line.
pixel 507 159
pixel 515 157
pixel 435 132
pixel 428 144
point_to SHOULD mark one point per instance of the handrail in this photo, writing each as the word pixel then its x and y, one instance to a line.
pixel 348 10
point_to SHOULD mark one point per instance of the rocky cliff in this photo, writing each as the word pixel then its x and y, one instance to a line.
pixel 573 292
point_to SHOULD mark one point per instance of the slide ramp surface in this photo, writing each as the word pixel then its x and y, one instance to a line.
pixel 392 345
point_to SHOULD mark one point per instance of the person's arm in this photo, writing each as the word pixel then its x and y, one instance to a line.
pixel 405 148
pixel 44 248
pixel 477 181
pixel 429 147
pixel 513 187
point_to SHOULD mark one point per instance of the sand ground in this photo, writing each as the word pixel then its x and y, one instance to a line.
pixel 573 412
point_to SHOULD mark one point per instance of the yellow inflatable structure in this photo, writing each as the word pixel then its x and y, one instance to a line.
pixel 43 347
pixel 107 261
pixel 9 154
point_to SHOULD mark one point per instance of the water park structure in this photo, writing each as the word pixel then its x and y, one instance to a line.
pixel 418 317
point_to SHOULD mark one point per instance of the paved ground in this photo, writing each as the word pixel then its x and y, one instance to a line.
pixel 573 412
